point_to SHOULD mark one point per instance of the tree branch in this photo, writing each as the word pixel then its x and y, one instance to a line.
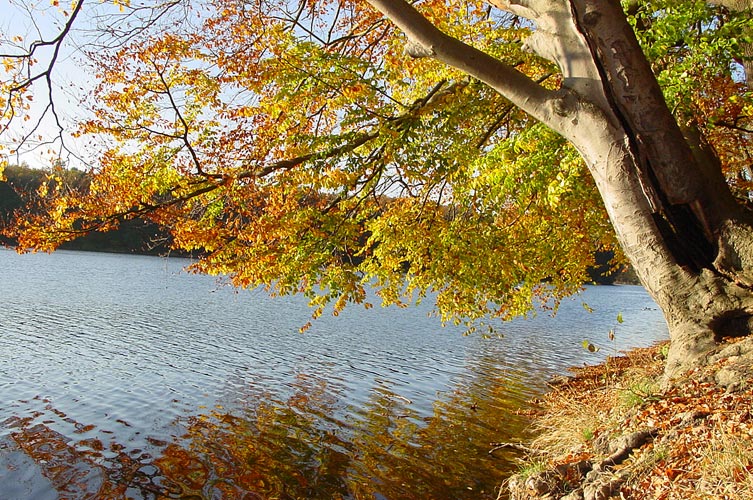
pixel 425 38
pixel 46 74
pixel 184 135
pixel 289 163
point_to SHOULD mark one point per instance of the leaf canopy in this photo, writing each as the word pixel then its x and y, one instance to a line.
pixel 296 146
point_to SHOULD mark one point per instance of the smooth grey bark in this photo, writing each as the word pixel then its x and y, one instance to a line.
pixel 689 241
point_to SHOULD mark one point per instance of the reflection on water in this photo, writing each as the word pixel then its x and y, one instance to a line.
pixel 296 448
pixel 122 377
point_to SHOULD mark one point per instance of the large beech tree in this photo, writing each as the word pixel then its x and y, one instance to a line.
pixel 479 151
pixel 676 219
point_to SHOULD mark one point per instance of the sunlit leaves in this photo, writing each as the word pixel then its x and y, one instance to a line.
pixel 297 147
pixel 688 41
pixel 696 50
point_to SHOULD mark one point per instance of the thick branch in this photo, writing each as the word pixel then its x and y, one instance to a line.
pixel 425 38
pixel 638 100
pixel 557 39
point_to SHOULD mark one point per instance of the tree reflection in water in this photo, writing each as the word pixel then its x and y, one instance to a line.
pixel 307 446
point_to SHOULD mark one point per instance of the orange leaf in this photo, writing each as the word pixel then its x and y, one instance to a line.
pixel 672 473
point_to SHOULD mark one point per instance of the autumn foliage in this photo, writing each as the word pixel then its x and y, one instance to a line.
pixel 296 146
pixel 304 151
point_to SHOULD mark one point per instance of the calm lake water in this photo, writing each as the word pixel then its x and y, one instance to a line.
pixel 125 377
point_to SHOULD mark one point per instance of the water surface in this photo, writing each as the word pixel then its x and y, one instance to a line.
pixel 125 377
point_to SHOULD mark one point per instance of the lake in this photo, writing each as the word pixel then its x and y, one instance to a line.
pixel 124 377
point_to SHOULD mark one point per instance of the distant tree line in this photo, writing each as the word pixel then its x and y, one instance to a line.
pixel 145 237
pixel 132 236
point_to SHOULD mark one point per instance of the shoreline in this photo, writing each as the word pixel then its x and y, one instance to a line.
pixel 611 431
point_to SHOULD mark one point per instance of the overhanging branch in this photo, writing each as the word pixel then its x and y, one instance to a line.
pixel 427 39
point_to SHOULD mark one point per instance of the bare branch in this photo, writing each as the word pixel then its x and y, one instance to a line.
pixel 184 125
pixel 46 74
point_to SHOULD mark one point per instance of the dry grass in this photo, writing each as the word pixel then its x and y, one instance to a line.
pixel 727 462
pixel 704 435
pixel 589 408
pixel 570 423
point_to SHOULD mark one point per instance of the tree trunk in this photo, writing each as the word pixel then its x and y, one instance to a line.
pixel 702 300
pixel 689 241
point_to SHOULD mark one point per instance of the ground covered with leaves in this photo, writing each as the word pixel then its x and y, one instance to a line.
pixel 616 431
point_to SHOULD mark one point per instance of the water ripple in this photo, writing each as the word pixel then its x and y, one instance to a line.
pixel 133 367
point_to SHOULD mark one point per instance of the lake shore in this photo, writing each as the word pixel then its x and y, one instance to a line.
pixel 612 431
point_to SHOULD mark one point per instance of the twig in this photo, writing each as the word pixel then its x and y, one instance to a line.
pixel 514 446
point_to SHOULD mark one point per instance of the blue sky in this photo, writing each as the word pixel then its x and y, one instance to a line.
pixel 99 22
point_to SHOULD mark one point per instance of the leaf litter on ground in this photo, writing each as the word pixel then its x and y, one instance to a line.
pixel 699 433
